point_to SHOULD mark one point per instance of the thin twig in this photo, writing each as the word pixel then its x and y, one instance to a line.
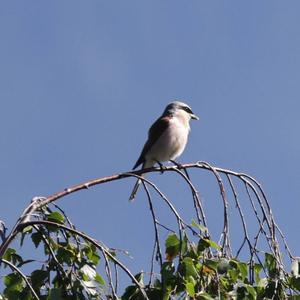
pixel 154 219
pixel 226 242
pixel 197 202
pixel 109 274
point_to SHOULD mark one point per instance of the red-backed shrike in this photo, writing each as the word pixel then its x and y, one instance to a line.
pixel 167 138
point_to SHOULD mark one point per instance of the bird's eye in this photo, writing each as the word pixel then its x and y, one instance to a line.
pixel 187 109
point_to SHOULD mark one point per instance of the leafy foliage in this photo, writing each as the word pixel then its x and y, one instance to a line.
pixel 191 270
pixel 68 272
pixel 188 265
pixel 188 273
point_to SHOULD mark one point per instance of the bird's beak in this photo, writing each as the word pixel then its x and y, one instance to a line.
pixel 194 117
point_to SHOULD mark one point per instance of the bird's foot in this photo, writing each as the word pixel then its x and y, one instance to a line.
pixel 161 166
pixel 178 165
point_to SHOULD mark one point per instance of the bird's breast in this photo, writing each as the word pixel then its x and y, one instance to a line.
pixel 171 143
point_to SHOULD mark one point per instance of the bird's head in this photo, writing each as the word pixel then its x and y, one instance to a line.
pixel 178 108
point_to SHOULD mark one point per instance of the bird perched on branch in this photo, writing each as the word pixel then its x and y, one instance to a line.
pixel 167 138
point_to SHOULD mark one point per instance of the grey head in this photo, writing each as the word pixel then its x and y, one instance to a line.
pixel 177 105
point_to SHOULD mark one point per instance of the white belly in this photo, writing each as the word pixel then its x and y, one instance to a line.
pixel 170 144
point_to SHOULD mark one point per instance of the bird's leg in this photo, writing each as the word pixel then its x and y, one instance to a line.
pixel 178 165
pixel 162 167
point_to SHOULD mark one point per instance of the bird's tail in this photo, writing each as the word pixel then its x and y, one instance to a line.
pixel 146 164
pixel 135 189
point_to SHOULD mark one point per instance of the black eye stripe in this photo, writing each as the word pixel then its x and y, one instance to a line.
pixel 187 109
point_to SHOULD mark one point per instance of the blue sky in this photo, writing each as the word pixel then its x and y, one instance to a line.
pixel 82 81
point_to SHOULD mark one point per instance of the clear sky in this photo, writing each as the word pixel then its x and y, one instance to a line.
pixel 82 81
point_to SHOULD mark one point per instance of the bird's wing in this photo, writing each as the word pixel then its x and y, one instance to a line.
pixel 155 131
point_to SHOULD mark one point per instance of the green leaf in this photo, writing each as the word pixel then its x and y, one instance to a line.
pixel 270 264
pixel 100 279
pixel 202 245
pixel 66 255
pixel 239 268
pixel 56 217
pixel 94 257
pixel 36 238
pixel 14 285
pixel 184 245
pixel 243 268
pixel 38 278
pixel 139 277
pixel 206 243
pixel 212 264
pixel 172 241
pixel 130 293
pixel 85 277
pixel 251 291
pixel 198 226
pixel 190 288
pixel 233 263
pixel 11 294
pixel 167 272
pixel 172 245
pixel 233 274
pixel 13 281
pixel 11 255
pixel 257 269
pixel 205 296
pixel 26 230
pixel 213 244
pixel 167 293
pixel 225 283
pixel 189 268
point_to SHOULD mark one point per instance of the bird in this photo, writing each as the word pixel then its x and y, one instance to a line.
pixel 167 138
